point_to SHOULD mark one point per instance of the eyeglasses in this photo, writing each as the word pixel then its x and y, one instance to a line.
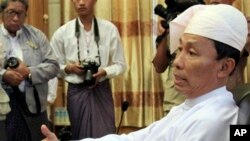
pixel 12 13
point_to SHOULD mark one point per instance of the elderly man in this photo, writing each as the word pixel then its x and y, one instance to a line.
pixel 31 63
pixel 209 40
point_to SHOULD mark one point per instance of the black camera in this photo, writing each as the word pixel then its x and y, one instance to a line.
pixel 174 7
pixel 90 68
pixel 12 63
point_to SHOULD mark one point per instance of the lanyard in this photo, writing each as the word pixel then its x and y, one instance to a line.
pixel 97 38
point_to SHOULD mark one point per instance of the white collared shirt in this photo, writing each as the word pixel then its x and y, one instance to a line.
pixel 205 118
pixel 64 43
pixel 15 51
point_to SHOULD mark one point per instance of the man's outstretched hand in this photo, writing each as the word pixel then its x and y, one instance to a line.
pixel 50 136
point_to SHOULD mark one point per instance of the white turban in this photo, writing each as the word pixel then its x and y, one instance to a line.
pixel 221 22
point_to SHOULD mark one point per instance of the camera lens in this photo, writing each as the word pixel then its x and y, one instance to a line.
pixel 89 80
pixel 12 63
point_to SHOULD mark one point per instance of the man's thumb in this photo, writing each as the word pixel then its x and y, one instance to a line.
pixel 45 130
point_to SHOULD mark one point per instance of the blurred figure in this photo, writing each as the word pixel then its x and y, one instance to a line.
pixel 52 90
pixel 29 65
pixel 4 101
pixel 90 53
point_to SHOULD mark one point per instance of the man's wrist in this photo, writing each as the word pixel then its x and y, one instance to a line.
pixel 30 77
pixel 67 69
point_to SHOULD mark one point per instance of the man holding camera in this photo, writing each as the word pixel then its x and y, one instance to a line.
pixel 29 64
pixel 89 52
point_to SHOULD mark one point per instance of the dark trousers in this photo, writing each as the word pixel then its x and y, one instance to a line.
pixel 19 125
pixel 2 131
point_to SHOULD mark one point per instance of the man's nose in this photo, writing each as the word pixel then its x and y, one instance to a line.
pixel 179 61
pixel 82 2
pixel 15 18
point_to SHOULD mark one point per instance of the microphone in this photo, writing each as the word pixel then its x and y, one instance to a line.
pixel 124 108
pixel 125 105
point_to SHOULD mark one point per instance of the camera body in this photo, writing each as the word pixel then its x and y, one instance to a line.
pixel 90 68
pixel 174 7
pixel 12 63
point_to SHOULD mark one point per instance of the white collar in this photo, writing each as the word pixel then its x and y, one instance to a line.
pixel 81 25
pixel 6 33
pixel 194 101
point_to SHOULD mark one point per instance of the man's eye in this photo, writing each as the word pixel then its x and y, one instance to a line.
pixel 179 49
pixel 192 53
pixel 10 12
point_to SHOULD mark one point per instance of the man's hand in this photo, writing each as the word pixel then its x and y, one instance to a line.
pixel 12 78
pixel 74 69
pixel 22 69
pixel 50 136
pixel 101 73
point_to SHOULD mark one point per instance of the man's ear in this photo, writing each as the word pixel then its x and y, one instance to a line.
pixel 226 67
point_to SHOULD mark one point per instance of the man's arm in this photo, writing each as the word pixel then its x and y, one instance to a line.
pixel 118 65
pixel 49 66
pixel 161 60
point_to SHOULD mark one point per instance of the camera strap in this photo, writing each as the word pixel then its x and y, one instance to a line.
pixel 96 38
pixel 22 102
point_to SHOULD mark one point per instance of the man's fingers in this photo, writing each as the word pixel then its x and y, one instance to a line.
pixel 19 75
pixel 50 136
pixel 46 132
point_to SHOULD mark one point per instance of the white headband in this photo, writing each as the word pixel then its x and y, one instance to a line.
pixel 220 22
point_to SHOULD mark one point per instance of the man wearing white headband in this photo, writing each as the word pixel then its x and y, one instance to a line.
pixel 209 40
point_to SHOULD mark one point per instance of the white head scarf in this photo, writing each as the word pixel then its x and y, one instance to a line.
pixel 221 22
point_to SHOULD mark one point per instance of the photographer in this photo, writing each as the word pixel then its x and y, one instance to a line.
pixel 29 64
pixel 90 53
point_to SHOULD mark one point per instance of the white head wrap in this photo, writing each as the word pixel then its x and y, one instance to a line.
pixel 221 22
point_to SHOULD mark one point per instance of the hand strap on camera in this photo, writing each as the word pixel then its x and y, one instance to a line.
pixel 97 38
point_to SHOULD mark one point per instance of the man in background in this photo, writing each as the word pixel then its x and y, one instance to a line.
pixel 89 50
pixel 29 65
